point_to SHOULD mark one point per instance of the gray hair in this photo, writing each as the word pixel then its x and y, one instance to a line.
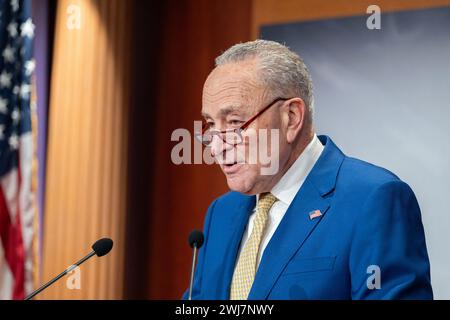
pixel 281 69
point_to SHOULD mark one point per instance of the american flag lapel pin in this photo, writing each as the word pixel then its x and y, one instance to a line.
pixel 314 214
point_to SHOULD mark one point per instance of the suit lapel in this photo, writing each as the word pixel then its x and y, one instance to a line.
pixel 290 235
pixel 296 225
pixel 239 219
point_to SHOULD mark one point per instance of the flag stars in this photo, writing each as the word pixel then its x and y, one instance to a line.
pixel 3 106
pixel 8 54
pixel 30 65
pixel 12 29
pixel 15 116
pixel 28 29
pixel 15 5
pixel 5 79
pixel 25 91
pixel 17 66
pixel 13 142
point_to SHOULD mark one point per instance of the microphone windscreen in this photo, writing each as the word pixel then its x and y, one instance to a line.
pixel 102 246
pixel 196 238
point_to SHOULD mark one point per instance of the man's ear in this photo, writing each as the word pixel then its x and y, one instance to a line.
pixel 296 118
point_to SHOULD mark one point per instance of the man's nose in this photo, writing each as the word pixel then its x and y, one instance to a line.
pixel 218 146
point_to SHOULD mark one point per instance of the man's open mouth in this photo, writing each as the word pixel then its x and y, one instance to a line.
pixel 231 167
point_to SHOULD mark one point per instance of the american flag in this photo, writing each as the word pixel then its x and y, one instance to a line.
pixel 315 214
pixel 17 212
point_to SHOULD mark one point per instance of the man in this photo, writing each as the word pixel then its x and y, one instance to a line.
pixel 322 226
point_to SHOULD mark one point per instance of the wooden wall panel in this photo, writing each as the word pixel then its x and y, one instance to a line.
pixel 193 33
pixel 87 150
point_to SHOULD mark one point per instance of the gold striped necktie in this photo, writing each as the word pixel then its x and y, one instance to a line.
pixel 245 270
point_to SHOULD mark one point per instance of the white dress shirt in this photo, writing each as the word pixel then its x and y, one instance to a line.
pixel 285 191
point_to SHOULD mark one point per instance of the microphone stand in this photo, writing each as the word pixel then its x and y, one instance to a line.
pixel 194 256
pixel 62 274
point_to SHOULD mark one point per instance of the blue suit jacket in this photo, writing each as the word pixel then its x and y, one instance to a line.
pixel 369 218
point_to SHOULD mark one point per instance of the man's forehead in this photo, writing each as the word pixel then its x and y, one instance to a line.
pixel 233 87
pixel 229 98
pixel 230 93
pixel 238 82
pixel 224 110
pixel 230 88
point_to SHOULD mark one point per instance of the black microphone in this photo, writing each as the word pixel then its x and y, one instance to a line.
pixel 99 248
pixel 195 241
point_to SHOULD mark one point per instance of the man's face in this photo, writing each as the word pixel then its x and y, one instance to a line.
pixel 231 96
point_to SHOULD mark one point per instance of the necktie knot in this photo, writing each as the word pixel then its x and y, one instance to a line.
pixel 266 201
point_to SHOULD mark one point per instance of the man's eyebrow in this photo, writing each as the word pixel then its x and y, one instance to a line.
pixel 223 112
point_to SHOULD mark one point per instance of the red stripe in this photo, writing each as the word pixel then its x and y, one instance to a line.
pixel 11 236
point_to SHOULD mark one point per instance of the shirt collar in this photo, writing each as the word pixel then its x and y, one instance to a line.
pixel 291 182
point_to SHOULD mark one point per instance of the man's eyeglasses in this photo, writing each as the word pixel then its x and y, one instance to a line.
pixel 231 136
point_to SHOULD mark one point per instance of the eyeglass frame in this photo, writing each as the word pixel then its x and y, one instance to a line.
pixel 239 130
